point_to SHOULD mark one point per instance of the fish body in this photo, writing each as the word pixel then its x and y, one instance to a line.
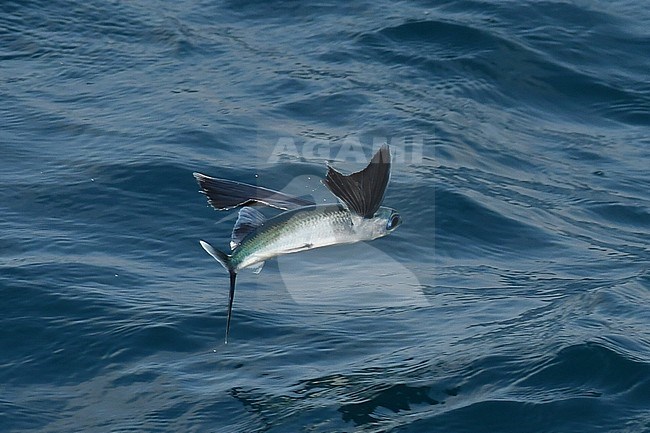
pixel 304 225
pixel 307 228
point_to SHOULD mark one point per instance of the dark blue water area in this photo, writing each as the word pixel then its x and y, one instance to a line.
pixel 513 298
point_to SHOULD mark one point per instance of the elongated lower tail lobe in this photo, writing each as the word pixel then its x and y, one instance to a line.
pixel 231 298
pixel 224 260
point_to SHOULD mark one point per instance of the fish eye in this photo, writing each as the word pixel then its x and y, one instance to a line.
pixel 393 222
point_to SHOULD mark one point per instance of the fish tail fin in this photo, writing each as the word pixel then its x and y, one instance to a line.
pixel 220 256
pixel 231 297
pixel 224 260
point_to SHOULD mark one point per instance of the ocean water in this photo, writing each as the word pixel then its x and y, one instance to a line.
pixel 514 298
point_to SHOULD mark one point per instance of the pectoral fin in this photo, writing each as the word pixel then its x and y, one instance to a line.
pixel 226 194
pixel 362 192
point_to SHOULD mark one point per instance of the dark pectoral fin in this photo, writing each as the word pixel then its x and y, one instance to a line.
pixel 364 190
pixel 226 194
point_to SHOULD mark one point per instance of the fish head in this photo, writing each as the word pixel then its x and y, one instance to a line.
pixel 383 222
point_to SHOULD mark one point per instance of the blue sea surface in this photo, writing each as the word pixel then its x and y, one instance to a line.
pixel 515 297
